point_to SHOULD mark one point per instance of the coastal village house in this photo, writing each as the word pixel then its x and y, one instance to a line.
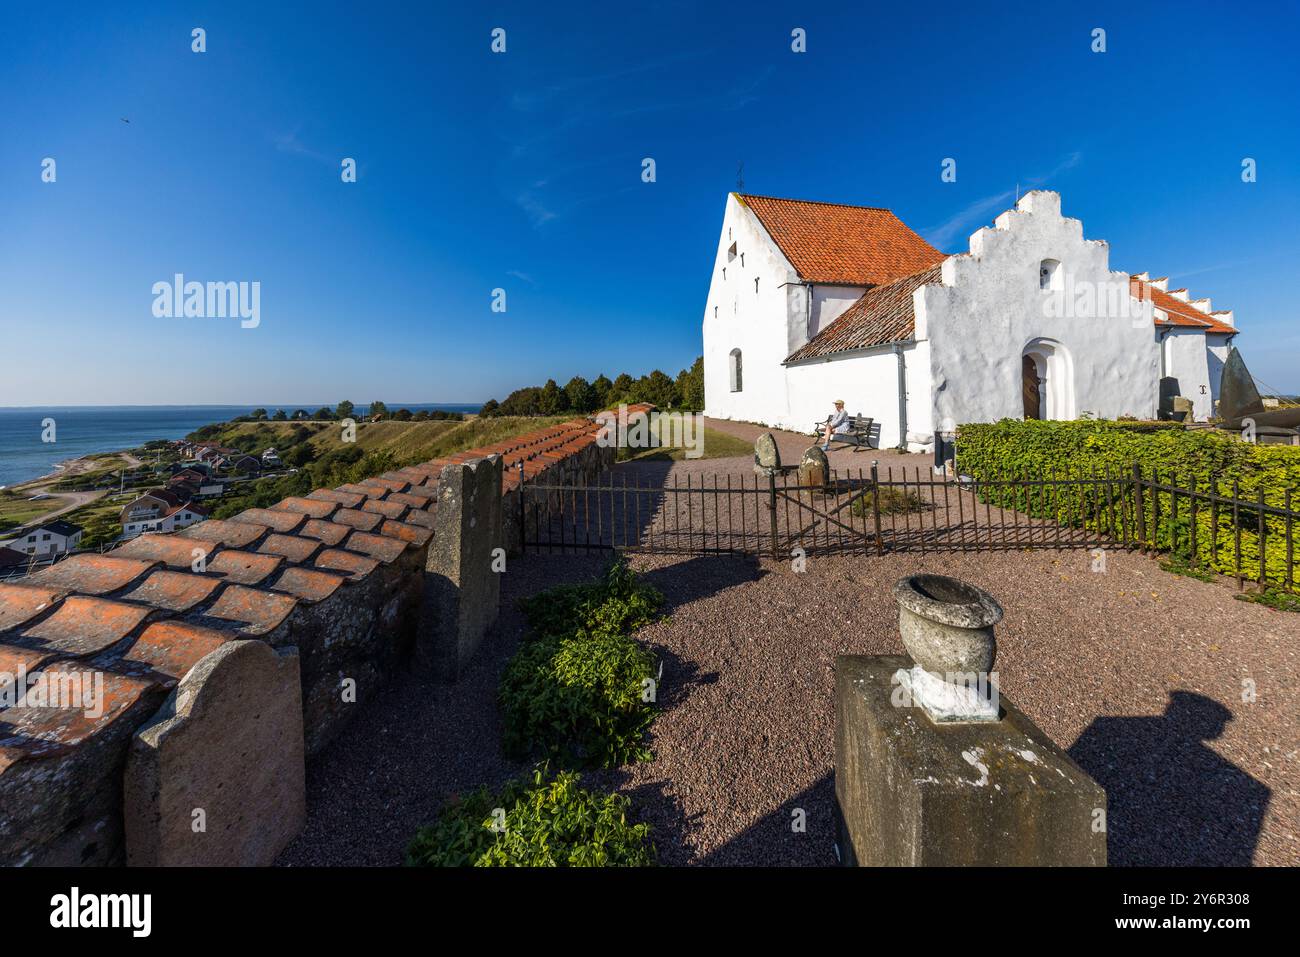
pixel 812 302
pixel 160 510
pixel 46 541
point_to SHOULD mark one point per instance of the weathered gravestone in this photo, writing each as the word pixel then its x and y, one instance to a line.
pixel 814 468
pixel 462 590
pixel 925 775
pixel 767 458
pixel 217 777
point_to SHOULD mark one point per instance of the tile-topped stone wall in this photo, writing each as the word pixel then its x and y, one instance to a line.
pixel 339 575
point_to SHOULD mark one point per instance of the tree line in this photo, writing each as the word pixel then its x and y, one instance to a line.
pixel 346 410
pixel 580 396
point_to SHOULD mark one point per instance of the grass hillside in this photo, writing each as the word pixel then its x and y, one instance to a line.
pixel 320 458
pixel 406 442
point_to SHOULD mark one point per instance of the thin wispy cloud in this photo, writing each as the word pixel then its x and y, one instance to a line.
pixel 291 144
pixel 527 101
pixel 548 175
pixel 980 211
pixel 1214 268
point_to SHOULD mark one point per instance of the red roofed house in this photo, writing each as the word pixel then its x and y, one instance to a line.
pixel 812 302
pixel 160 510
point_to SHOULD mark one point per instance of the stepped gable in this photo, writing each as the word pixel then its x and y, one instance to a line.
pixel 139 617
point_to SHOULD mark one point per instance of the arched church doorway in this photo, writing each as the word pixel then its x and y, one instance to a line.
pixel 1047 380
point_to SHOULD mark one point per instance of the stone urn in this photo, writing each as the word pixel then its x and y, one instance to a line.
pixel 947 627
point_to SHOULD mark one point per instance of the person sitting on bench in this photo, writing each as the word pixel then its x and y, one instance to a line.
pixel 839 422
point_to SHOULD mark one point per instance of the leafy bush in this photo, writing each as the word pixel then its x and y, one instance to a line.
pixel 574 690
pixel 1087 449
pixel 893 501
pixel 550 823
pixel 1274 598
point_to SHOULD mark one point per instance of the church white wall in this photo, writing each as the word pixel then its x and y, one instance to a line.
pixel 990 307
pixel 1217 348
pixel 829 303
pixel 868 384
pixel 761 323
pixel 1187 360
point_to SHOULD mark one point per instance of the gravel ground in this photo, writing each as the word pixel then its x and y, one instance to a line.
pixel 1138 673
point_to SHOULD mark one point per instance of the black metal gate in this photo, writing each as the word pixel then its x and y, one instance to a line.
pixel 852 512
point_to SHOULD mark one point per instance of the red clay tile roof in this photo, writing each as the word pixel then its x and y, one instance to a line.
pixel 883 314
pixel 851 245
pixel 37 732
pixel 1180 313
pixel 166 650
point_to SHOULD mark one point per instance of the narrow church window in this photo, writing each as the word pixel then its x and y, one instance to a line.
pixel 1049 274
pixel 737 385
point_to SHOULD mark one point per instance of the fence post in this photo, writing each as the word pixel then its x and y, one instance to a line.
pixel 1290 573
pixel 771 512
pixel 1236 529
pixel 1263 531
pixel 1140 507
pixel 1191 505
pixel 523 523
pixel 875 504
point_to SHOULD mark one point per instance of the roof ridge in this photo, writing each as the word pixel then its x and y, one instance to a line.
pixel 815 202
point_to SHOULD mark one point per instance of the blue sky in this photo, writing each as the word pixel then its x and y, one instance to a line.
pixel 522 171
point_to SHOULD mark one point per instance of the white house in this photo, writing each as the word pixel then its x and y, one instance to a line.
pixel 812 302
pixel 46 541
pixel 160 510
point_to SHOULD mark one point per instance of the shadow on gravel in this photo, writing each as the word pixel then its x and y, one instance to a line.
pixel 677 676
pixel 774 840
pixel 701 577
pixel 1171 799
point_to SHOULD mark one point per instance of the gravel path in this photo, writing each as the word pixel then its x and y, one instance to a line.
pixel 1138 673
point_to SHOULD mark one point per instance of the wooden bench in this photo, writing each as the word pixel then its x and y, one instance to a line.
pixel 858 434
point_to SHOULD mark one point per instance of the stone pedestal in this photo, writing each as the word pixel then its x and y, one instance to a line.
pixel 462 590
pixel 910 792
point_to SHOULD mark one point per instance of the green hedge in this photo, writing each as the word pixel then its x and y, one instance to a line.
pixel 1013 449
pixel 550 822
pixel 576 691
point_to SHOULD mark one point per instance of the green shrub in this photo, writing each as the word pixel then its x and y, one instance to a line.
pixel 1208 459
pixel 893 501
pixel 1274 598
pixel 575 690
pixel 551 822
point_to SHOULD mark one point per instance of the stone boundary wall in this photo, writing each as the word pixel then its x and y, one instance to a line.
pixel 337 577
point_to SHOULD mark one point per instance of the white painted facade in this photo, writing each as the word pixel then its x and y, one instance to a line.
pixel 765 322
pixel 1094 345
pixel 44 542
pixel 181 518
pixel 1031 285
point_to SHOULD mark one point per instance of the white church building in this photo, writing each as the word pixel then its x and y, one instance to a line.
pixel 812 302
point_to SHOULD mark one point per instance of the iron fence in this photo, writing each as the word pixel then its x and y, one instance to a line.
pixel 872 511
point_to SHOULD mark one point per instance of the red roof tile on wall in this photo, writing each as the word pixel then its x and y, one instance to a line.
pixel 147 613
